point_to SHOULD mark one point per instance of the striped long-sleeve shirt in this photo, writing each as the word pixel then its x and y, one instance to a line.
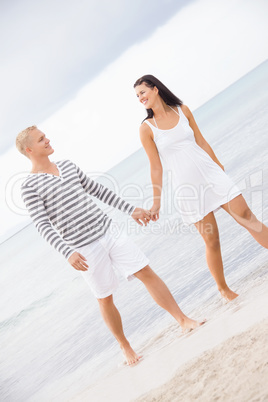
pixel 62 209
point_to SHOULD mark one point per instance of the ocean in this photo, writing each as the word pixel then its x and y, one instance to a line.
pixel 54 343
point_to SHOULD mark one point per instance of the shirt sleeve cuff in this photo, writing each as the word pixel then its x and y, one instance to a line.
pixel 68 255
pixel 132 209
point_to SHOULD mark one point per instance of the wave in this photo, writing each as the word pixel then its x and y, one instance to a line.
pixel 18 317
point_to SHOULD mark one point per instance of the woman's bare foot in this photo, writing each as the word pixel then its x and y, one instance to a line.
pixel 228 294
pixel 188 325
pixel 130 356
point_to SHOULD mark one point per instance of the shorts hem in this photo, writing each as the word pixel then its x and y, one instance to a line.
pixel 106 294
pixel 132 276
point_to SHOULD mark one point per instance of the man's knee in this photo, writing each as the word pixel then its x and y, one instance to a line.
pixel 105 301
pixel 144 272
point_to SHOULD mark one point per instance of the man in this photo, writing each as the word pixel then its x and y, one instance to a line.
pixel 58 197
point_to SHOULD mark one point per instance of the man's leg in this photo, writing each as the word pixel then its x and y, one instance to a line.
pixel 113 321
pixel 162 296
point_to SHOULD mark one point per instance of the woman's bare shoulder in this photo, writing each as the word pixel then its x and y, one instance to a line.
pixel 145 129
pixel 186 111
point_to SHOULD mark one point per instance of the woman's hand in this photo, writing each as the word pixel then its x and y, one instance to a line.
pixel 155 212
pixel 221 166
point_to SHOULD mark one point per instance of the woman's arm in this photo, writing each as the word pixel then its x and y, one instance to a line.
pixel 200 140
pixel 156 168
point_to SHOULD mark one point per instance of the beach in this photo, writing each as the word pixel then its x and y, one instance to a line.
pixel 238 371
pixel 224 360
pixel 54 343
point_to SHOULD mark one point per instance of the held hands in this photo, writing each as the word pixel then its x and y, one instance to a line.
pixel 141 216
pixel 78 261
pixel 155 212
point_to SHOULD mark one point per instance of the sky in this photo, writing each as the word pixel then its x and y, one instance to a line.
pixel 50 49
pixel 70 67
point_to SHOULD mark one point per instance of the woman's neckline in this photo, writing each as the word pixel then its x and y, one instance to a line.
pixel 172 128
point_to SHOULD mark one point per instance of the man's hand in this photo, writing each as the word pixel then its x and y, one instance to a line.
pixel 141 215
pixel 77 261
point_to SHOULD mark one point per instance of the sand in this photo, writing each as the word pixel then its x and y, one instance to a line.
pixel 237 370
pixel 224 360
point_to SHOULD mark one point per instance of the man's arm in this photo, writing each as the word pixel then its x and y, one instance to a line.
pixel 38 214
pixel 109 197
pixel 103 193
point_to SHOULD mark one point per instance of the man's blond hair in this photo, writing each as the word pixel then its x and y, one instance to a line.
pixel 22 140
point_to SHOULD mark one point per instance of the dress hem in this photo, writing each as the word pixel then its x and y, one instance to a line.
pixel 213 209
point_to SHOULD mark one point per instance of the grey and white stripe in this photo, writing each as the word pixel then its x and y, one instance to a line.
pixel 62 209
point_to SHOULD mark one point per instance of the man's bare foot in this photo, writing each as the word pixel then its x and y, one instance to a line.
pixel 228 294
pixel 188 325
pixel 130 356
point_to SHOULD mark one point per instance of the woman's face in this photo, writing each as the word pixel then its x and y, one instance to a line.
pixel 146 95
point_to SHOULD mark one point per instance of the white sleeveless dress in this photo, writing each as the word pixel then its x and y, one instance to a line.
pixel 200 185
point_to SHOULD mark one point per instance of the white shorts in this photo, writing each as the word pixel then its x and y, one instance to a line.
pixel 105 253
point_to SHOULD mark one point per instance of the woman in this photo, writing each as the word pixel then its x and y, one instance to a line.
pixel 200 184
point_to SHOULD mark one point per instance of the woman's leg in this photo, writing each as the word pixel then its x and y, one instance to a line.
pixel 162 296
pixel 113 321
pixel 208 229
pixel 240 211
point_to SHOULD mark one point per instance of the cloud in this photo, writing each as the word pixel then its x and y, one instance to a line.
pixel 51 49
pixel 198 53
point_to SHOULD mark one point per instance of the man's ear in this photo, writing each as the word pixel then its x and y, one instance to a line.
pixel 28 150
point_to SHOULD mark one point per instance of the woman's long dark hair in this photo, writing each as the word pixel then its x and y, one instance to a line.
pixel 168 97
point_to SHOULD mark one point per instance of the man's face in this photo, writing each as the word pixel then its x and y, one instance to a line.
pixel 39 144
